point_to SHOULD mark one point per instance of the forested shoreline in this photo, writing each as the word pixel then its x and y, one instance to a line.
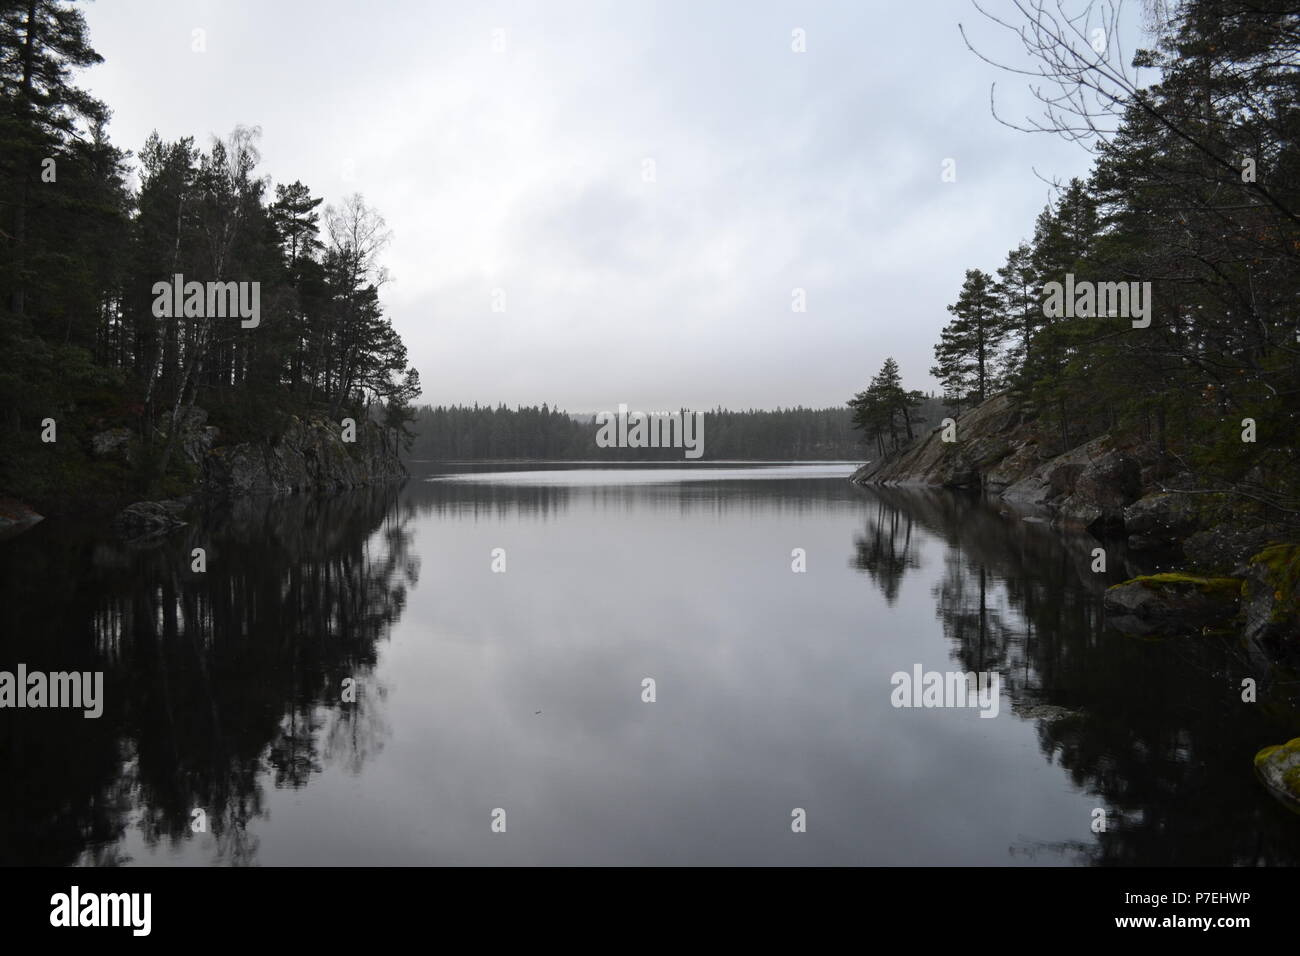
pixel 119 379
pixel 484 432
pixel 1156 300
pixel 102 380
pixel 1133 368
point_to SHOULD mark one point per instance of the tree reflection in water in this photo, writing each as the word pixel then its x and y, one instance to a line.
pixel 215 682
pixel 1157 731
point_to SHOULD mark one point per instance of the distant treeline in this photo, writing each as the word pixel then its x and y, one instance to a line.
pixel 463 432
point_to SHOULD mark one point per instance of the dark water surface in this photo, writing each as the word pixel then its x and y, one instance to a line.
pixel 522 690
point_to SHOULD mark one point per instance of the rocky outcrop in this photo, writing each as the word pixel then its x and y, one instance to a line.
pixel 985 438
pixel 1055 478
pixel 1160 520
pixel 1226 548
pixel 195 436
pixel 1278 768
pixel 119 444
pixel 1271 598
pixel 1261 601
pixel 1087 487
pixel 1023 456
pixel 309 455
pixel 995 448
pixel 1105 487
pixel 16 517
pixel 1172 603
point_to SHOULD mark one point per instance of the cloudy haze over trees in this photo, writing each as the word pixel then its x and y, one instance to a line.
pixel 645 186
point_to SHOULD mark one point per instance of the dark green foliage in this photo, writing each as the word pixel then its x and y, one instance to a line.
pixel 966 357
pixel 79 257
pixel 1196 190
pixel 886 409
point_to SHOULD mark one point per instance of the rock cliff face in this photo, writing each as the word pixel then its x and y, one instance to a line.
pixel 995 448
pixel 309 455
pixel 988 436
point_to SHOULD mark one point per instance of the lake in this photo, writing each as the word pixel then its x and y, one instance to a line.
pixel 457 671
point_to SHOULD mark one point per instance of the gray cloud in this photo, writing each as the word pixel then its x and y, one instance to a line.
pixel 522 171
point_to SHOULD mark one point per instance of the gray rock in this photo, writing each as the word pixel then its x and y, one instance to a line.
pixel 1023 457
pixel 1279 770
pixel 981 442
pixel 308 455
pixel 1032 490
pixel 1056 477
pixel 1102 490
pixel 1164 517
pixel 1145 542
pixel 119 443
pixel 194 436
pixel 1271 599
pixel 1225 548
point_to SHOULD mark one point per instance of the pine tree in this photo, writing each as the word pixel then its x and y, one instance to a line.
pixel 1019 293
pixel 884 407
pixel 41 43
pixel 967 353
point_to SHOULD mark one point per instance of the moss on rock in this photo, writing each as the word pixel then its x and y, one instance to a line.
pixel 1173 603
pixel 1271 600
pixel 1278 570
pixel 1278 768
pixel 1221 587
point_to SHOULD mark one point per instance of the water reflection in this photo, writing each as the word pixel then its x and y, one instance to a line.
pixel 545 492
pixel 1155 731
pixel 212 678
pixel 224 689
pixel 885 550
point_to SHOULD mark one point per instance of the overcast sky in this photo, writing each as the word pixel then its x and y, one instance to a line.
pixel 525 171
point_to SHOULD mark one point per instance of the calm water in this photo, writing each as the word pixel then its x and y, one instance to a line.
pixel 522 690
